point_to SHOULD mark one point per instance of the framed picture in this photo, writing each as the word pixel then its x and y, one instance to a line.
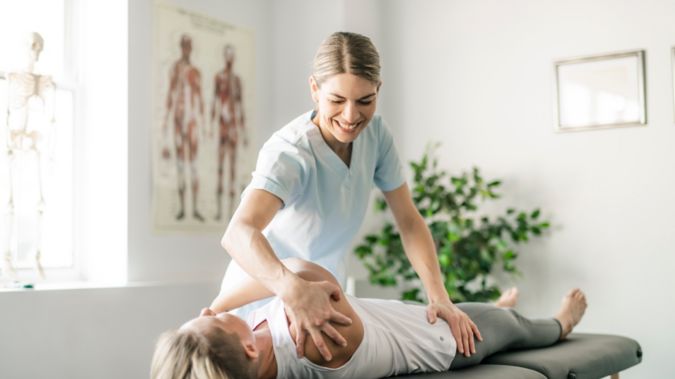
pixel 204 83
pixel 601 91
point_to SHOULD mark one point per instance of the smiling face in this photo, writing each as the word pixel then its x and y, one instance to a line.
pixel 345 105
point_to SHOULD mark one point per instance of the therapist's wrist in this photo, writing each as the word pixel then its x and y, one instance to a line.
pixel 439 297
pixel 289 286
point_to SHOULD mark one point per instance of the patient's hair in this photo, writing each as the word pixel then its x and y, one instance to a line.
pixel 188 354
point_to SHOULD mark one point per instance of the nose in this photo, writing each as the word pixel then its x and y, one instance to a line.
pixel 350 114
pixel 207 312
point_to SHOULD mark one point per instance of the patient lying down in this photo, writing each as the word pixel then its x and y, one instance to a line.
pixel 386 338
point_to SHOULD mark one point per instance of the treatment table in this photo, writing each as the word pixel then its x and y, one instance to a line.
pixel 579 356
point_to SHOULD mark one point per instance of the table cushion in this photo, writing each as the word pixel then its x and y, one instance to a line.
pixel 482 371
pixel 580 356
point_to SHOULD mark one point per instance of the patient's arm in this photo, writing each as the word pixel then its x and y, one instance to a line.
pixel 248 290
pixel 238 293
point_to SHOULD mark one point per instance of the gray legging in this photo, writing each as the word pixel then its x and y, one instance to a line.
pixel 504 329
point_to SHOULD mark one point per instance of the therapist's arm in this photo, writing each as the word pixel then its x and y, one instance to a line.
pixel 421 251
pixel 307 302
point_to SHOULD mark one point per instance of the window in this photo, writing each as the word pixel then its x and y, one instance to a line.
pixel 37 146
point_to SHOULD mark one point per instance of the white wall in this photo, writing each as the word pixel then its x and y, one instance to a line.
pixel 91 333
pixel 477 75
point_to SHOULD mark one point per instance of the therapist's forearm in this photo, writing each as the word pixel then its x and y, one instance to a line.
pixel 421 251
pixel 250 249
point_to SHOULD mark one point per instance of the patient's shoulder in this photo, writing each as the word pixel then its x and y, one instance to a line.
pixel 352 333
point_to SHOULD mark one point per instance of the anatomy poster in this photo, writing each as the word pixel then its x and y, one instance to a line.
pixel 203 119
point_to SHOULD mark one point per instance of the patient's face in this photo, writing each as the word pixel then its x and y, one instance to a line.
pixel 208 320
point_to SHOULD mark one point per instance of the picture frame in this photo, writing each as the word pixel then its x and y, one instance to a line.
pixel 601 91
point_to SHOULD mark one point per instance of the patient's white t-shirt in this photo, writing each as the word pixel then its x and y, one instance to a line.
pixel 397 340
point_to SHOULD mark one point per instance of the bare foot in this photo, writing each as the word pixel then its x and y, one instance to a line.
pixel 571 310
pixel 508 299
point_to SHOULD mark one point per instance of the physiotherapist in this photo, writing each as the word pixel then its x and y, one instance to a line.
pixel 310 191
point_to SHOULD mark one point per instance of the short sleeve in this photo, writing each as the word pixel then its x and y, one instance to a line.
pixel 280 170
pixel 388 170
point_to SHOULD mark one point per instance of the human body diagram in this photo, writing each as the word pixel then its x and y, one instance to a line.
pixel 185 103
pixel 184 115
pixel 227 113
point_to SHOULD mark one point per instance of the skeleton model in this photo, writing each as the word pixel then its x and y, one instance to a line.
pixel 228 109
pixel 29 112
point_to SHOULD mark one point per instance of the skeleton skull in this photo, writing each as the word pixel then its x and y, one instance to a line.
pixel 35 44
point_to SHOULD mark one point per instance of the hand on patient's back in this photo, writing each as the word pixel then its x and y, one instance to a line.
pixel 310 309
pixel 463 329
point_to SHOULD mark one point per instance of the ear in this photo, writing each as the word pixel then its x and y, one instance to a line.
pixel 314 88
pixel 378 86
pixel 250 350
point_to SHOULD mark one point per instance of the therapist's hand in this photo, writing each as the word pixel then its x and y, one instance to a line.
pixel 308 305
pixel 463 329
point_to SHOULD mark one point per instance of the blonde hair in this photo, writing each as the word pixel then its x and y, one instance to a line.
pixel 187 354
pixel 345 52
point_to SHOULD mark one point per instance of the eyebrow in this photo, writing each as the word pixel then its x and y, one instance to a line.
pixel 362 98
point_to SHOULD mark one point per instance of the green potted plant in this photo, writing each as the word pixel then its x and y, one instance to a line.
pixel 469 245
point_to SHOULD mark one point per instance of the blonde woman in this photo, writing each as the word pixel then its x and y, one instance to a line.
pixel 309 194
pixel 385 338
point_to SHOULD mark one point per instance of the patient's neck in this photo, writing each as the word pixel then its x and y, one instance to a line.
pixel 267 362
